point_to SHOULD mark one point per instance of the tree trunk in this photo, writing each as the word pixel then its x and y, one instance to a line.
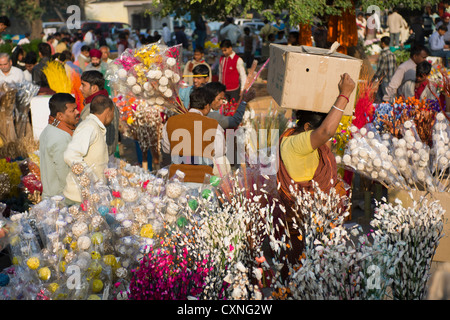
pixel 305 34
pixel 36 24
pixel 343 30
pixel 83 4
pixel 36 28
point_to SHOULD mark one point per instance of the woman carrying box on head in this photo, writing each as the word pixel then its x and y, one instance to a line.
pixel 305 155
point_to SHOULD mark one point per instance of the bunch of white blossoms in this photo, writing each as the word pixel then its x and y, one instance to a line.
pixel 342 263
pixel 369 154
pixel 241 287
pixel 414 232
pixel 440 150
pixel 401 163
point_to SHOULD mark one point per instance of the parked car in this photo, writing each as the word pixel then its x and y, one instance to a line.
pixel 107 28
pixel 255 27
pixel 242 21
pixel 52 27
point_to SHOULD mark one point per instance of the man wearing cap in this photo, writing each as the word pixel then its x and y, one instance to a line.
pixel 96 63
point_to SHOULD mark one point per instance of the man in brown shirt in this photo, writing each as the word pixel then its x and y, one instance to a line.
pixel 195 142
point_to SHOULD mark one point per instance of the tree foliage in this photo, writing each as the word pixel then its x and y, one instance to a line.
pixel 300 11
pixel 30 10
pixel 25 9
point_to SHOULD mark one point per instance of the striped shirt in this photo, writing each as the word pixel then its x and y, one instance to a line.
pixel 387 64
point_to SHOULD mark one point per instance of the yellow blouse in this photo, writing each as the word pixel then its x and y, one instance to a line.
pixel 299 158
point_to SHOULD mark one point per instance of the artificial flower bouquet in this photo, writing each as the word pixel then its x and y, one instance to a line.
pixel 150 71
pixel 402 161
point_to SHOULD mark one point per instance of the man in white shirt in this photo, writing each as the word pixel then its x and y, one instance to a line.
pixel 373 25
pixel 25 40
pixel 406 71
pixel 395 22
pixel 89 38
pixel 88 146
pixel 166 34
pixel 231 32
pixel 105 54
pixel 9 73
pixel 53 141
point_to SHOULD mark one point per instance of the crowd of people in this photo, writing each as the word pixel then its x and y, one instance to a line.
pixel 91 135
pixel 424 36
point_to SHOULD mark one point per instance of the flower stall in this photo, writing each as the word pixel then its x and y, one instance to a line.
pixel 144 236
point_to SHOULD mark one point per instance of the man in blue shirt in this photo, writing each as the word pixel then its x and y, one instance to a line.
pixel 279 24
pixel 200 75
pixel 438 46
pixel 445 22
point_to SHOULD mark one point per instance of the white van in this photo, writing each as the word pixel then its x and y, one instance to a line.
pixel 241 21
pixel 255 27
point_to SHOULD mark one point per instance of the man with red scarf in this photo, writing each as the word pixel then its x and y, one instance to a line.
pixel 92 85
pixel 420 88
pixel 53 141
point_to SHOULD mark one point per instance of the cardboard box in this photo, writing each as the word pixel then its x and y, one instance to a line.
pixel 443 249
pixel 306 78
